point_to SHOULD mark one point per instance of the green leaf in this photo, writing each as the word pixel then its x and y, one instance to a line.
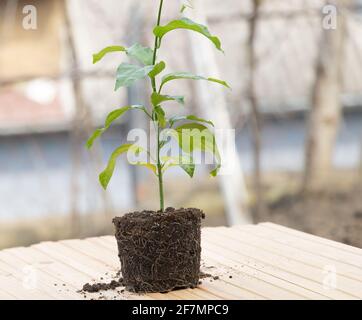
pixel 188 168
pixel 98 56
pixel 187 24
pixel 95 135
pixel 185 163
pixel 215 171
pixel 106 175
pixel 195 136
pixel 115 114
pixel 186 75
pixel 159 116
pixel 128 74
pixel 175 119
pixel 147 165
pixel 157 99
pixel 224 83
pixel 141 54
pixel 159 67
pixel 137 51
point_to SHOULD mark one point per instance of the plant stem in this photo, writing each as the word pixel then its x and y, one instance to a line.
pixel 153 82
pixel 156 44
pixel 159 170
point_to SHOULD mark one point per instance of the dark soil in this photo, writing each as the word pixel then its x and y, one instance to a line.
pixel 96 287
pixel 204 275
pixel 336 216
pixel 100 287
pixel 160 251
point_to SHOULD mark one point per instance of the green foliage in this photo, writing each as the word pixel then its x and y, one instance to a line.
pixel 185 23
pixel 128 74
pixel 99 56
pixel 147 165
pixel 159 67
pixel 157 99
pixel 106 175
pixel 173 120
pixel 191 136
pixel 114 115
pixel 186 75
pixel 160 116
pixel 195 136
pixel 184 162
pixel 141 54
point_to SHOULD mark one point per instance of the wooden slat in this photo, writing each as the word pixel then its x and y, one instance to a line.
pixel 345 284
pixel 308 236
pixel 282 288
pixel 12 286
pixel 245 280
pixel 274 263
pixel 6 296
pixel 44 283
pixel 57 269
pixel 305 285
pixel 84 247
pixel 82 265
pixel 266 261
pixel 262 239
pixel 308 245
pixel 14 272
pixel 324 249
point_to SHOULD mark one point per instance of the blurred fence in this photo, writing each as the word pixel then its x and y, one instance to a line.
pixel 51 95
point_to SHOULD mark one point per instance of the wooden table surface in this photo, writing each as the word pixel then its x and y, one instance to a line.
pixel 264 261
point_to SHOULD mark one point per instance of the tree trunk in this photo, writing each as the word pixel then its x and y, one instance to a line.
pixel 135 94
pixel 75 135
pixel 81 129
pixel 360 167
pixel 213 104
pixel 325 115
pixel 255 114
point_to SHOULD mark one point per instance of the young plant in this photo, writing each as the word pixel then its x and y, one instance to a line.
pixel 149 66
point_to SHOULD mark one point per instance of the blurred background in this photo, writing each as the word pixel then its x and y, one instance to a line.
pixel 296 72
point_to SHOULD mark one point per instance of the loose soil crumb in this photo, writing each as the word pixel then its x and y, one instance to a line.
pixel 204 275
pixel 100 288
pixel 97 287
pixel 208 276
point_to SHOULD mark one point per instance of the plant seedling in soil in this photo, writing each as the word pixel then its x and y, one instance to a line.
pixel 180 128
